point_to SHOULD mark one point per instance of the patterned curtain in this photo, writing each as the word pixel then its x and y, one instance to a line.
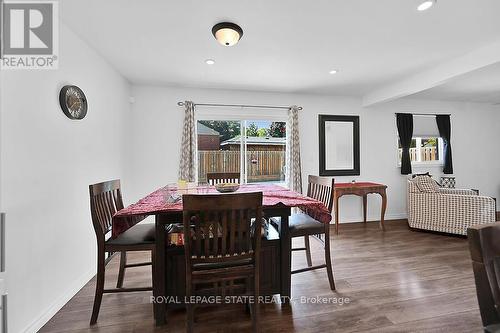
pixel 293 168
pixel 187 166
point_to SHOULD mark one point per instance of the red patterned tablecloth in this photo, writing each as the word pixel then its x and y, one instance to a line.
pixel 156 203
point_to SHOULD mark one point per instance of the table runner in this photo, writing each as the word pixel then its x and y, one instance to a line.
pixel 156 203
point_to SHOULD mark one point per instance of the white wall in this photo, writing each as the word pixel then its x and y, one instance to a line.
pixel 47 163
pixel 155 139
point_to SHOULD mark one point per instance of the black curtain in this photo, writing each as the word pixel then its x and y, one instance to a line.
pixel 405 130
pixel 444 126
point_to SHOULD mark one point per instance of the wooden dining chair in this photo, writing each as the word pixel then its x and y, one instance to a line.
pixel 485 254
pixel 214 178
pixel 303 225
pixel 105 201
pixel 222 236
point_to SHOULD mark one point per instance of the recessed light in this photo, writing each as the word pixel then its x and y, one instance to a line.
pixel 426 5
pixel 210 61
pixel 333 71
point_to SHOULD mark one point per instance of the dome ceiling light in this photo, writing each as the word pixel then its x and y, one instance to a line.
pixel 227 33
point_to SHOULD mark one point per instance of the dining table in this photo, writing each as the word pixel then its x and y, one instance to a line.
pixel 166 205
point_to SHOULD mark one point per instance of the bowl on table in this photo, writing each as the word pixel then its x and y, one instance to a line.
pixel 227 187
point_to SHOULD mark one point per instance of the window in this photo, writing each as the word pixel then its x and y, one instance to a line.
pixel 424 150
pixel 426 145
pixel 259 155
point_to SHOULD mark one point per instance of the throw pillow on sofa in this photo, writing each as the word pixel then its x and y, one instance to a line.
pixel 426 184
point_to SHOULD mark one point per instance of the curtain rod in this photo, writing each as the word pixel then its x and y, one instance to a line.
pixel 242 106
pixel 426 114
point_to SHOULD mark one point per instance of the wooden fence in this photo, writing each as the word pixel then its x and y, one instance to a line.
pixel 262 165
pixel 427 154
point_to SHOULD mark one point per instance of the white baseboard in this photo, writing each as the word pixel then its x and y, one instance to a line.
pixel 357 219
pixel 38 323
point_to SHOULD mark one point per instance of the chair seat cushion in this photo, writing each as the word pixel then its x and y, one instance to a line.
pixel 301 224
pixel 142 233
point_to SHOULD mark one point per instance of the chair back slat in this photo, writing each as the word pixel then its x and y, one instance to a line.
pixel 224 232
pixel 232 232
pixel 215 240
pixel 105 201
pixel 241 232
pixel 205 226
pixel 221 227
pixel 321 189
pixel 198 237
pixel 214 178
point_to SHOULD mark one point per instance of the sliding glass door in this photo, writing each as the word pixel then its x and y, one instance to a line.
pixel 254 148
pixel 219 148
pixel 265 148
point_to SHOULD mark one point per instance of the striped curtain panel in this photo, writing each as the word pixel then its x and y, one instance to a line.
pixel 293 168
pixel 187 166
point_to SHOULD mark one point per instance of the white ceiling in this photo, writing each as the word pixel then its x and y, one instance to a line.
pixel 482 85
pixel 288 45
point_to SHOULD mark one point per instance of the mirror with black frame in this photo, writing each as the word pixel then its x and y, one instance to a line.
pixel 338 145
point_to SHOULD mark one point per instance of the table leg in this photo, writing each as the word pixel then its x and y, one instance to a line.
pixel 336 203
pixel 364 207
pixel 384 206
pixel 286 258
pixel 159 286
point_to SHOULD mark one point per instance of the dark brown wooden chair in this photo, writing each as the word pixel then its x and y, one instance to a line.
pixel 105 201
pixel 214 178
pixel 485 254
pixel 303 225
pixel 222 246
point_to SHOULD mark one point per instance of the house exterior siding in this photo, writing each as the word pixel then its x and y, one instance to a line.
pixel 208 142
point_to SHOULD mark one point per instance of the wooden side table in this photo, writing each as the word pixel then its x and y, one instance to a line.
pixel 362 190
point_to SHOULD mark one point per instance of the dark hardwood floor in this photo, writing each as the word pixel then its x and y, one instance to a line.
pixel 397 281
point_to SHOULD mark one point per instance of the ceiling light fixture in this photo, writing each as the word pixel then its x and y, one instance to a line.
pixel 333 71
pixel 426 5
pixel 210 61
pixel 227 33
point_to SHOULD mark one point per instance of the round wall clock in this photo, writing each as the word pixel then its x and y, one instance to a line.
pixel 73 102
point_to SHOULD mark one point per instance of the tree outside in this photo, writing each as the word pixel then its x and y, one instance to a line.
pixel 277 129
pixel 430 142
pixel 231 129
pixel 252 130
pixel 262 132
pixel 226 129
